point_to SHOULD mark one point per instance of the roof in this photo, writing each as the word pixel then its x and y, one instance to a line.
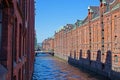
pixel 68 27
pixel 74 26
pixel 85 20
pixel 95 10
pixel 79 23
pixel 109 1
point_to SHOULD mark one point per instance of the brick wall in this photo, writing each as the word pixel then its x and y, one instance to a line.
pixel 100 34
pixel 17 51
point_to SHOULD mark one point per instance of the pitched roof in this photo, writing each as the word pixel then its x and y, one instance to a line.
pixel 79 23
pixel 68 27
pixel 109 1
pixel 85 20
pixel 95 10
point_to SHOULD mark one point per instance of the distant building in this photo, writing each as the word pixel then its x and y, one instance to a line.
pixel 48 44
pixel 16 39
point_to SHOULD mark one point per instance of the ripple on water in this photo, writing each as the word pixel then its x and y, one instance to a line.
pixel 47 67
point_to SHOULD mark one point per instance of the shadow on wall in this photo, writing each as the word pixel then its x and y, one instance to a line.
pixel 104 69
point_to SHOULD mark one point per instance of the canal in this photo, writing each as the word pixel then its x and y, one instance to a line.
pixel 47 67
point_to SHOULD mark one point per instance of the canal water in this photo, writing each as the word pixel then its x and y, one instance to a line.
pixel 47 67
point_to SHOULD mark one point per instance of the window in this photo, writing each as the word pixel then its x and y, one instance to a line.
pixel 107 8
pixel 14 41
pixel 19 2
pixel 14 78
pixel 0 15
pixel 116 59
pixel 20 40
pixel 0 34
pixel 22 72
pixel 26 9
pixel 19 75
pixel 0 26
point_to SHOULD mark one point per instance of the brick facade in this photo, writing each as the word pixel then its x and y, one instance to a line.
pixel 17 38
pixel 97 33
pixel 48 44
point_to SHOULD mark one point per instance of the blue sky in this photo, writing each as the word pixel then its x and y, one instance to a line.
pixel 52 14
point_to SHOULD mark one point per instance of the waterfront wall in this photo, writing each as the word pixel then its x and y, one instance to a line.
pixel 61 56
pixel 97 67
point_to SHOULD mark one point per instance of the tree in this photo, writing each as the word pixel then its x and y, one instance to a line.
pixel 35 42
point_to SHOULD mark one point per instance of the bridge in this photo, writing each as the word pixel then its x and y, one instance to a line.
pixel 44 52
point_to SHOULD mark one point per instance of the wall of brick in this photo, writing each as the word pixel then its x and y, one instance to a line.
pixel 100 34
pixel 17 51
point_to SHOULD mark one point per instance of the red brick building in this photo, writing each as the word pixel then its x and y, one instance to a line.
pixel 16 39
pixel 97 33
pixel 48 44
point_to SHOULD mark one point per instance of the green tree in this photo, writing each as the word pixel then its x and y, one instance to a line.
pixel 35 42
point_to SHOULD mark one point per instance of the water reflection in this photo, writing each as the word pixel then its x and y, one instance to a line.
pixel 47 67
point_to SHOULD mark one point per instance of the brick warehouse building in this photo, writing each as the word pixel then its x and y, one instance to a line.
pixel 48 44
pixel 16 39
pixel 93 41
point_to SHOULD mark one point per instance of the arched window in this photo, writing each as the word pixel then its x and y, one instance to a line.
pixel 116 59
